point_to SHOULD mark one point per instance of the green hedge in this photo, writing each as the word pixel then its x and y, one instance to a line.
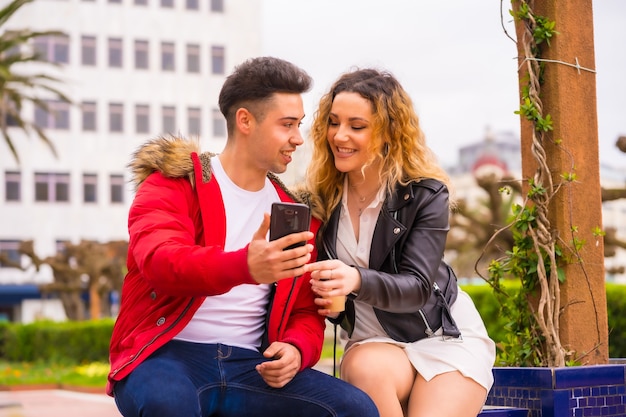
pixel 88 341
pixel 616 313
pixel 65 342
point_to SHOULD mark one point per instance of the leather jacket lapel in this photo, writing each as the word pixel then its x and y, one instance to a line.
pixel 389 230
pixel 386 234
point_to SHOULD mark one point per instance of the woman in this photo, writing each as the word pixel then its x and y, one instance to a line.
pixel 416 343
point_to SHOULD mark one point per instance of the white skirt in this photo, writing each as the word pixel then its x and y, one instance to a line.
pixel 473 356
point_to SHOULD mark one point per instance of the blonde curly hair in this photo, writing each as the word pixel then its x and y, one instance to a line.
pixel 397 140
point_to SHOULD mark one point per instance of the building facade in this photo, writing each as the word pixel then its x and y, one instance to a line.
pixel 134 69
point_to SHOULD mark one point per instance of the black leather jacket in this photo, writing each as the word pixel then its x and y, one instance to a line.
pixel 407 279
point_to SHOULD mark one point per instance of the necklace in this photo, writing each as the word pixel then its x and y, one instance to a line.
pixel 362 201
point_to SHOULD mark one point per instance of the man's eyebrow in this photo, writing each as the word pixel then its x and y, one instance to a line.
pixel 294 118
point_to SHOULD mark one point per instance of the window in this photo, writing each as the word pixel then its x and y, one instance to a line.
pixel 117 188
pixel 217 5
pixel 12 186
pixel 142 118
pixel 141 2
pixel 193 58
pixel 90 188
pixel 56 116
pixel 219 124
pixel 53 48
pixel 141 55
pixel 167 56
pixel 192 4
pixel 11 112
pixel 61 50
pixel 88 50
pixel 115 1
pixel 52 187
pixel 167 3
pixel 10 250
pixel 89 116
pixel 14 50
pixel 60 246
pixel 169 119
pixel 115 52
pixel 194 120
pixel 116 117
pixel 217 60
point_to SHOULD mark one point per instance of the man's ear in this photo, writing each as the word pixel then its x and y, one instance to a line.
pixel 244 120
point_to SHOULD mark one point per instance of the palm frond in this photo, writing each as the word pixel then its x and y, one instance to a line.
pixel 17 88
pixel 7 11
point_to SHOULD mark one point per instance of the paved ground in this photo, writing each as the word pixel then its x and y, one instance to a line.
pixel 61 403
pixel 56 403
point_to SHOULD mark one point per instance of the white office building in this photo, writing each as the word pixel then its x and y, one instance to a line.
pixel 134 69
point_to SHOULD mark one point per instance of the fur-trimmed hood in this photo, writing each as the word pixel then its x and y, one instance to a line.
pixel 171 156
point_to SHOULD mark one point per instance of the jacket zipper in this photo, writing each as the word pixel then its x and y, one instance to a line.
pixel 428 330
pixel 144 347
pixel 441 295
pixel 282 317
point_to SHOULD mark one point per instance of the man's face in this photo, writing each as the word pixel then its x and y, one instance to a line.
pixel 274 138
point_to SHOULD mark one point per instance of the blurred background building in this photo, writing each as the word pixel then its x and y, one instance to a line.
pixel 499 154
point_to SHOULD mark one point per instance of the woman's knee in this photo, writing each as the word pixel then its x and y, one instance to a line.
pixel 377 364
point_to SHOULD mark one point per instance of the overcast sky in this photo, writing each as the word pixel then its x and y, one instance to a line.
pixel 452 56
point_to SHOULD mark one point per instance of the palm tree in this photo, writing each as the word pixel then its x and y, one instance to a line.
pixel 16 88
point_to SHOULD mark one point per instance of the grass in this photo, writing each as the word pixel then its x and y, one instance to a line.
pixel 91 375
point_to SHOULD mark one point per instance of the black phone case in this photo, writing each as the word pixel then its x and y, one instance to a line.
pixel 287 218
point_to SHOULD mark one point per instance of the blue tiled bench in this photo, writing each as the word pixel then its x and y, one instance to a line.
pixel 503 412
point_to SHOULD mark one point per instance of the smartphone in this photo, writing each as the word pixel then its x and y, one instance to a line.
pixel 287 218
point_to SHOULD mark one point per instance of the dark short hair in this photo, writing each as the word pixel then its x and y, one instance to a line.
pixel 256 80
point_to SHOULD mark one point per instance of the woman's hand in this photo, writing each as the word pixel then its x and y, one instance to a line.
pixel 332 278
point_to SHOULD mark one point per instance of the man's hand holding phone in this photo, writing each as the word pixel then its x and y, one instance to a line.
pixel 285 255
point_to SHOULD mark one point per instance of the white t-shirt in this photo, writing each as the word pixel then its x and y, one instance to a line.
pixel 237 317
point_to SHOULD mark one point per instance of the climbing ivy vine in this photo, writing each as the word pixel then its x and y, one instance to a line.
pixel 536 257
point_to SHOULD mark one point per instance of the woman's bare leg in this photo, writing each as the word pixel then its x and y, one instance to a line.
pixel 384 372
pixel 446 395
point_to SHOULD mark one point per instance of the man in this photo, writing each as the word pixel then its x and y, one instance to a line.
pixel 213 319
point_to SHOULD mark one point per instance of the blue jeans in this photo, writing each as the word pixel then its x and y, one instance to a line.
pixel 185 379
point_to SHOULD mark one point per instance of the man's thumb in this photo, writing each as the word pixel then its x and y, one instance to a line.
pixel 270 352
pixel 261 232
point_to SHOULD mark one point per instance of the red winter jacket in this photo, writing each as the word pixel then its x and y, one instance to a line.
pixel 176 258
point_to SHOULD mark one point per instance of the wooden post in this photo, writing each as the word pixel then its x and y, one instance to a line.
pixel 568 94
pixel 95 307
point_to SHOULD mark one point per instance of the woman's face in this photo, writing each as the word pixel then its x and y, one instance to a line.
pixel 350 131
